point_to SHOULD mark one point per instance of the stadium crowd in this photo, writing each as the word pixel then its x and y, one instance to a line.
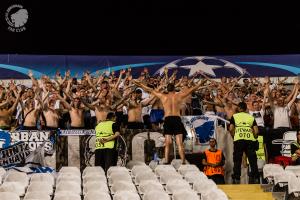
pixel 68 102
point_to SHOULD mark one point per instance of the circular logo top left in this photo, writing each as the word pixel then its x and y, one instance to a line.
pixel 16 17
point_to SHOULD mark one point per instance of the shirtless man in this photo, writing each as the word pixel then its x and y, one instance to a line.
pixel 172 124
pixel 52 114
pixel 101 106
pixel 134 106
pixel 6 112
pixel 32 111
pixel 76 111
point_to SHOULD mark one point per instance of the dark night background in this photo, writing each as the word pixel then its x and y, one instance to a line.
pixel 153 28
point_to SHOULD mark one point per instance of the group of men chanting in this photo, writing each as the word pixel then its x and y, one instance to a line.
pixel 152 102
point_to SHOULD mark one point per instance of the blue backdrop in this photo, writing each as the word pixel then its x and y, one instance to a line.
pixel 17 66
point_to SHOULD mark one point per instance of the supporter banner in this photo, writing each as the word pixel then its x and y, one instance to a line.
pixel 75 148
pixel 14 154
pixel 26 148
pixel 33 138
pixel 75 132
pixel 203 126
pixel 17 66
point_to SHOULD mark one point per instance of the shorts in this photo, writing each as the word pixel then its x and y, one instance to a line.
pixel 135 125
pixel 29 128
pixel 174 126
pixel 49 128
pixel 157 115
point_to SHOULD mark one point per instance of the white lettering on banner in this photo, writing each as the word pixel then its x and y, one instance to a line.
pixel 33 138
pixel 14 154
pixel 2 142
pixel 77 132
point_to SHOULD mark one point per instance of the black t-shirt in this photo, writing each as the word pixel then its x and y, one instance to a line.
pixel 115 127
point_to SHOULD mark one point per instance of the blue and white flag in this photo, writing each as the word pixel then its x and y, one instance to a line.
pixel 202 126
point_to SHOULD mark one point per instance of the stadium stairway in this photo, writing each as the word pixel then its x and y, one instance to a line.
pixel 249 192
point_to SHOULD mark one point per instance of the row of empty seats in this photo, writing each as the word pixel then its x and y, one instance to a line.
pixel 277 175
pixel 163 182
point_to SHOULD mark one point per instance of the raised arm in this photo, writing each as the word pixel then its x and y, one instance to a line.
pixel 294 97
pixel 14 106
pixel 86 104
pixel 34 81
pixel 188 91
pixel 213 103
pixel 68 86
pixel 88 78
pixel 147 89
pixel 263 107
pixel 147 102
pixel 67 105
pixel 120 78
pixel 296 82
pixel 119 102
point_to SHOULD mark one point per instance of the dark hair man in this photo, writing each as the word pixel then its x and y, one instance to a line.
pixel 244 130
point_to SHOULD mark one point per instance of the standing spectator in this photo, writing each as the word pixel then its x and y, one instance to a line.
pixel 258 112
pixel 282 121
pixel 106 133
pixel 244 130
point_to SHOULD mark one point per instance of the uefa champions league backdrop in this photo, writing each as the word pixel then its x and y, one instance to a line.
pixel 17 66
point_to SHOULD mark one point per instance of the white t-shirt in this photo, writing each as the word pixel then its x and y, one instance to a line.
pixel 281 117
pixel 259 117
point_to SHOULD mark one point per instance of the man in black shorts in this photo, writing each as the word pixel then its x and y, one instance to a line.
pixel 171 102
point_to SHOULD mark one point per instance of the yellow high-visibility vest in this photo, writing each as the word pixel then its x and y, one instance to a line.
pixel 243 126
pixel 294 156
pixel 260 153
pixel 104 130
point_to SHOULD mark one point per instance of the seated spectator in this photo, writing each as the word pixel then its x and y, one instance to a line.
pixel 213 161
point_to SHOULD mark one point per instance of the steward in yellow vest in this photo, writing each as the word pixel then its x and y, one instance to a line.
pixel 213 161
pixel 295 150
pixel 244 130
pixel 105 151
